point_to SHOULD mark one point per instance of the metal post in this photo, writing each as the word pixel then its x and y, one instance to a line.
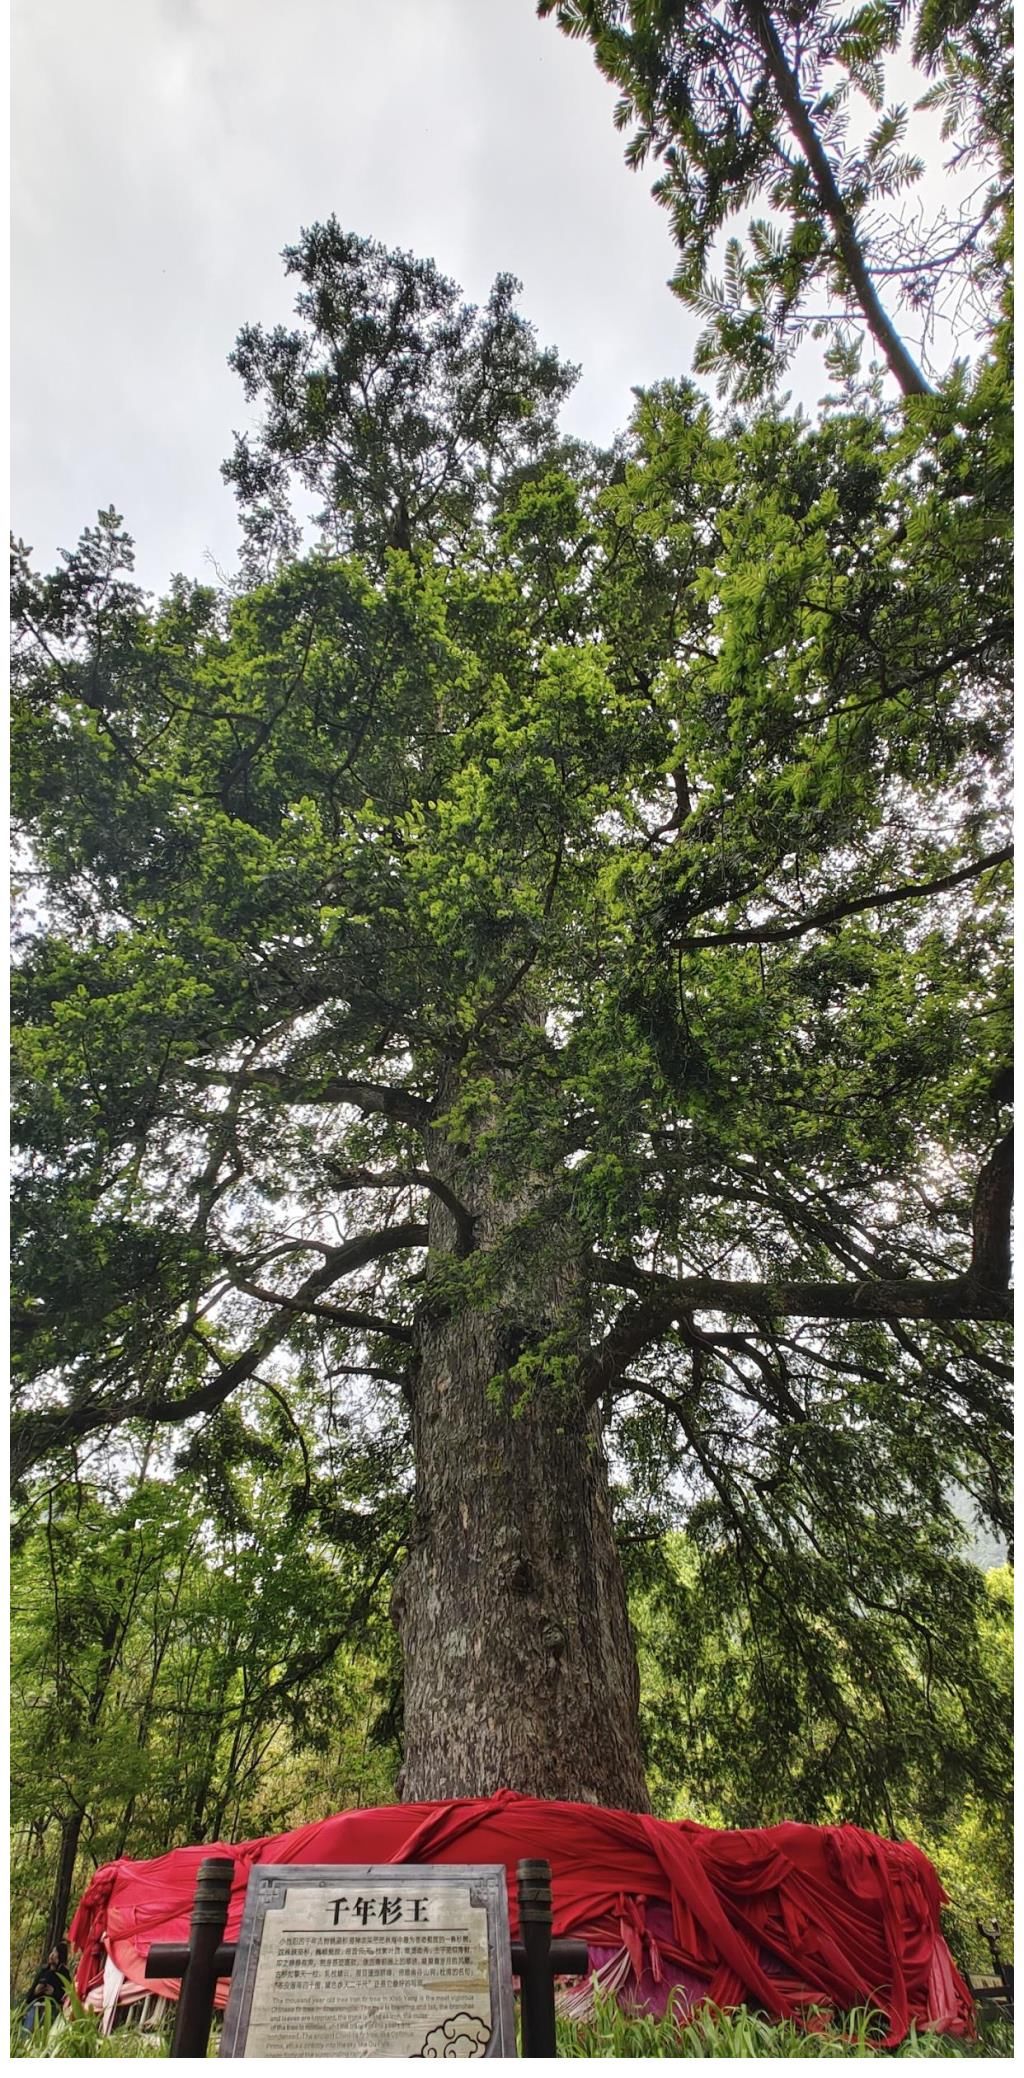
pixel 537 1982
pixel 209 1915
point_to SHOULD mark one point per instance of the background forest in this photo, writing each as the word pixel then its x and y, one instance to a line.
pixel 189 1664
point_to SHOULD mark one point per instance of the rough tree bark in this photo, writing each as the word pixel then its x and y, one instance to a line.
pixel 520 1670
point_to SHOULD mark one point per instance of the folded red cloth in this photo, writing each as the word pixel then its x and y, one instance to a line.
pixel 780 1917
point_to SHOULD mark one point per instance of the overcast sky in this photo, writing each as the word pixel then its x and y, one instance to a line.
pixel 166 150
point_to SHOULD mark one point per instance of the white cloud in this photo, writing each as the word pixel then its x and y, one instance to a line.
pixel 165 151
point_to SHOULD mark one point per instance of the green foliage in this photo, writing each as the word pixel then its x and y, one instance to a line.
pixel 971 1843
pixel 751 1719
pixel 745 104
pixel 76 2032
pixel 891 1720
pixel 741 2033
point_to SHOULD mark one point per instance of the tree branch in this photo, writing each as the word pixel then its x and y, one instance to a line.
pixel 903 367
pixel 328 1089
pixel 909 1298
pixel 508 989
pixel 910 891
pixel 640 1323
pixel 383 1179
pixel 35 1433
pixel 335 1316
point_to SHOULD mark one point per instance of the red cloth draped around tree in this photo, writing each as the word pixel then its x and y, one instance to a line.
pixel 780 1917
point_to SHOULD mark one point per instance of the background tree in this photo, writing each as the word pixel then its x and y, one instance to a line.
pixel 869 1722
pixel 530 972
pixel 860 1724
pixel 395 406
pixel 184 1653
pixel 747 102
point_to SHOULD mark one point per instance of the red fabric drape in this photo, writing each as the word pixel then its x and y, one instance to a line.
pixel 781 1917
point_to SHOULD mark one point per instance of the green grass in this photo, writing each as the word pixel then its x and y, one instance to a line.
pixel 742 2033
pixel 77 2033
pixel 610 2033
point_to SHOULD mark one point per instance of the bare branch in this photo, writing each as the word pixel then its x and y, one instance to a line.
pixel 336 1316
pixel 327 1089
pixel 386 1179
pixel 910 891
pixel 909 1298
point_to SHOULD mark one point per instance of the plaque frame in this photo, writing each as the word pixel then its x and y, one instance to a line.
pixel 269 1884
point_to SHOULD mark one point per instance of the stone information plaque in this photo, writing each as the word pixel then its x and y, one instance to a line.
pixel 391 1960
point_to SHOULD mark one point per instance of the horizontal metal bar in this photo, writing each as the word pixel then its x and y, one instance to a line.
pixel 569 1958
pixel 170 1959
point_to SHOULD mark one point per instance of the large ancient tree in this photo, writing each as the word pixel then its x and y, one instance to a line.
pixel 524 980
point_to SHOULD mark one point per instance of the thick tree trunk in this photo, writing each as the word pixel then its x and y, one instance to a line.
pixel 520 1671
